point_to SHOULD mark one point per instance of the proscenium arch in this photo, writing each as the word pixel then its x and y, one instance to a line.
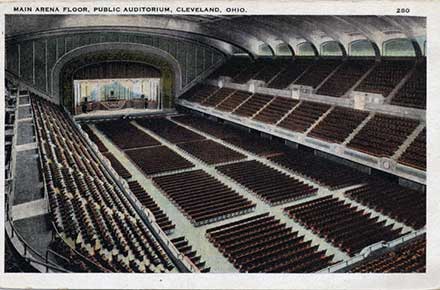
pixel 108 47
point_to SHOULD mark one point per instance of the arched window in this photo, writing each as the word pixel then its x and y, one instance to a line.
pixel 306 49
pixel 331 48
pixel 361 48
pixel 283 49
pixel 398 47
pixel 264 49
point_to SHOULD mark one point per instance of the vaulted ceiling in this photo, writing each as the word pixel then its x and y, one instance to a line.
pixel 239 33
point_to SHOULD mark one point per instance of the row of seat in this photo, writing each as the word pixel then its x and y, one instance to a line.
pixel 271 185
pixel 413 92
pixel 117 165
pixel 304 116
pixel 199 93
pixel 338 124
pixel 383 134
pixel 408 258
pixel 403 204
pixel 202 198
pixel 322 171
pixel 385 76
pixel 211 152
pixel 86 206
pixel 182 244
pixel 345 77
pixel 253 105
pixel 415 154
pixel 169 130
pixel 94 138
pixel 125 135
pixel 157 159
pixel 317 73
pixel 262 244
pixel 343 225
pixel 144 197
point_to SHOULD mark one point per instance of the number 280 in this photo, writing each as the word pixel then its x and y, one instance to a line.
pixel 402 10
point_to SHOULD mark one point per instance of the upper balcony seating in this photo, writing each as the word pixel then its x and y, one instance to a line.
pixel 385 76
pixel 343 225
pixel 250 72
pixel 345 77
pixel 402 204
pixel 232 67
pixel 319 169
pixel 211 152
pixel 262 244
pixel 86 206
pixel 233 101
pixel 217 97
pixel 413 92
pixel 253 105
pixel 210 127
pixel 158 159
pixel 169 130
pixel 202 198
pixel 409 258
pixel 271 185
pixel 415 154
pixel 383 135
pixel 291 73
pixel 199 93
pixel 304 116
pixel 144 197
pixel 338 124
pixel 125 135
pixel 271 69
pixel 318 72
pixel 275 110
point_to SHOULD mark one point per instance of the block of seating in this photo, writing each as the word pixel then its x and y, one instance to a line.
pixel 144 197
pixel 182 244
pixel 217 97
pixel 211 152
pixel 407 258
pixel 318 72
pixel 262 244
pixel 304 116
pixel 207 126
pixel 383 134
pixel 271 69
pixel 87 207
pixel 232 67
pixel 415 154
pixel 250 72
pixel 338 124
pixel 117 166
pixel 202 198
pixel 158 159
pixel 275 110
pixel 405 205
pixel 413 92
pixel 199 93
pixel 385 76
pixel 269 184
pixel 125 135
pixel 256 144
pixel 233 101
pixel 253 105
pixel 169 130
pixel 341 224
pixel 345 77
pixel 319 169
pixel 290 74
pixel 95 139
